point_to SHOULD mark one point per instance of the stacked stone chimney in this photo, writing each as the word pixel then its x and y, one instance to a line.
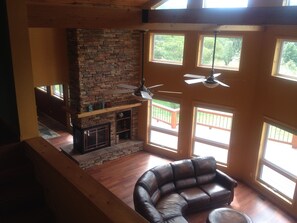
pixel 99 61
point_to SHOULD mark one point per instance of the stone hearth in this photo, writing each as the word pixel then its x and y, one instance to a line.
pixel 100 156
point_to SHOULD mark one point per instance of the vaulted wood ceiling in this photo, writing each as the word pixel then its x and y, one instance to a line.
pixel 129 14
pixel 114 3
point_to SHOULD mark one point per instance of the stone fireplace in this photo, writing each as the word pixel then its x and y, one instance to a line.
pixel 99 61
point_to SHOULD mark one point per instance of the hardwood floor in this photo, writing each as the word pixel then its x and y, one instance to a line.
pixel 119 176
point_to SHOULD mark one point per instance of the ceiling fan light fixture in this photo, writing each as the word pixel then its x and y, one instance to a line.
pixel 210 85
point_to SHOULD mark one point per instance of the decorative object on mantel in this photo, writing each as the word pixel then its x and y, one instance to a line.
pixel 141 93
pixel 210 81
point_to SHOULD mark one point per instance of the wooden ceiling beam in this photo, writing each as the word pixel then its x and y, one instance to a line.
pixel 73 16
pixel 228 16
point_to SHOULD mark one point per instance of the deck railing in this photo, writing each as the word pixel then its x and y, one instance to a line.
pixel 212 119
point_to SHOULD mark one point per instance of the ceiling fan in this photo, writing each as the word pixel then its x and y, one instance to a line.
pixel 210 81
pixel 141 92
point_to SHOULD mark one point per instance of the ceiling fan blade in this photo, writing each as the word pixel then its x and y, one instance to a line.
pixel 221 83
pixel 154 86
pixel 217 74
pixel 171 92
pixel 146 95
pixel 194 81
pixel 194 76
pixel 127 86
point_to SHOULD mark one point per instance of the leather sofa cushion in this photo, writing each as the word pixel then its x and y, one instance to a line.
pixel 171 206
pixel 215 191
pixel 195 197
pixel 204 165
pixel 184 174
pixel 164 175
pixel 149 182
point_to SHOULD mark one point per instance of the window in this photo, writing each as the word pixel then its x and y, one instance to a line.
pixel 167 48
pixel 286 59
pixel 173 4
pixel 212 133
pixel 42 88
pixel 164 123
pixel 277 167
pixel 290 2
pixel 228 51
pixel 57 91
pixel 225 3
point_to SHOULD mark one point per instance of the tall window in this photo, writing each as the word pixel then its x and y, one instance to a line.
pixel 277 167
pixel 167 48
pixel 212 133
pixel 164 123
pixel 57 91
pixel 228 51
pixel 286 57
pixel 290 2
pixel 225 3
pixel 173 4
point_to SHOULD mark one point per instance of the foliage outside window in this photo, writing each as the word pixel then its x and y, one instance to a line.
pixel 286 52
pixel 164 123
pixel 225 3
pixel 277 168
pixel 173 4
pixel 290 3
pixel 167 48
pixel 212 133
pixel 228 51
pixel 42 88
pixel 57 91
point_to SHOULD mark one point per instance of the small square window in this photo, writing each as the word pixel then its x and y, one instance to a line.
pixel 228 52
pixel 286 59
pixel 57 91
pixel 290 3
pixel 42 88
pixel 172 4
pixel 167 48
pixel 225 3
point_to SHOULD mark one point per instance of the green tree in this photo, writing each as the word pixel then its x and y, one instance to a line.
pixel 168 47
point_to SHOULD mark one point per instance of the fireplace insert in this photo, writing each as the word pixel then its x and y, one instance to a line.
pixel 91 138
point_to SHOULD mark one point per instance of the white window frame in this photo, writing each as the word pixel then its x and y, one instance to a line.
pixel 219 145
pixel 200 53
pixel 272 166
pixel 152 59
pixel 277 60
pixel 162 145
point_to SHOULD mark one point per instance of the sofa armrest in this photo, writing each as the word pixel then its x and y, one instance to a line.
pixel 225 180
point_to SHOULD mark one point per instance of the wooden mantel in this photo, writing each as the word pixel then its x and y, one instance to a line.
pixel 106 110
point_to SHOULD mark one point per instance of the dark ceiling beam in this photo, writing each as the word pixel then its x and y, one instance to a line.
pixel 227 16
pixel 73 16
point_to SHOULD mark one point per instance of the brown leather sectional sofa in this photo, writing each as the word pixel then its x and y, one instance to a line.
pixel 164 194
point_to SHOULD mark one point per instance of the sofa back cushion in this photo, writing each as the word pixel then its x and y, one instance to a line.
pixel 149 182
pixel 205 169
pixel 184 174
pixel 164 176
